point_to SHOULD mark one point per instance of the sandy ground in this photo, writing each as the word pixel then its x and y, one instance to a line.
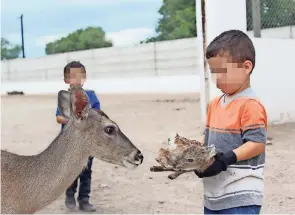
pixel 28 126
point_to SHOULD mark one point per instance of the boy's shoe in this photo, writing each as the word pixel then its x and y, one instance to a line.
pixel 70 202
pixel 86 207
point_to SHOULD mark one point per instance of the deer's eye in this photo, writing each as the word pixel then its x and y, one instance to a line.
pixel 190 160
pixel 109 130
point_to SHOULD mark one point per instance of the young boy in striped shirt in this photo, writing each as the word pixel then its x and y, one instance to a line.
pixel 236 125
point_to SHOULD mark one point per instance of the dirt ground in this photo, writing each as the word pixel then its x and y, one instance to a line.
pixel 28 126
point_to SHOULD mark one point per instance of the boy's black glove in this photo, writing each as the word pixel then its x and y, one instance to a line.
pixel 222 161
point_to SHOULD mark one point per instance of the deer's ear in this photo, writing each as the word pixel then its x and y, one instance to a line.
pixel 79 103
pixel 63 103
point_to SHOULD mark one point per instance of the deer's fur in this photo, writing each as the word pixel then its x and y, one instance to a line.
pixel 29 183
pixel 184 155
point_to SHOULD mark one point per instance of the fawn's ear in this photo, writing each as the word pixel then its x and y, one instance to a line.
pixel 79 103
pixel 63 103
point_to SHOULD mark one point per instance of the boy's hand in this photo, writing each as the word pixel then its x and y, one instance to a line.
pixel 222 161
pixel 61 120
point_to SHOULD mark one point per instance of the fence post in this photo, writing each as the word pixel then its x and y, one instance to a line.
pixel 92 64
pixel 46 75
pixel 256 17
pixel 202 38
pixel 155 58
pixel 8 70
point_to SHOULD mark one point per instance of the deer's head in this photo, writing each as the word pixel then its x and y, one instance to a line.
pixel 101 136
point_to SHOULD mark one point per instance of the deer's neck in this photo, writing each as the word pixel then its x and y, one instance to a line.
pixel 57 167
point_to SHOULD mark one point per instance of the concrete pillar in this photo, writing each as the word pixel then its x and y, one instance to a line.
pixel 222 15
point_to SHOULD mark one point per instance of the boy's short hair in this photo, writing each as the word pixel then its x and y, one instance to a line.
pixel 74 64
pixel 234 42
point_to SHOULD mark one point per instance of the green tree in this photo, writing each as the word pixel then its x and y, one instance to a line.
pixel 178 20
pixel 274 13
pixel 81 39
pixel 178 17
pixel 9 51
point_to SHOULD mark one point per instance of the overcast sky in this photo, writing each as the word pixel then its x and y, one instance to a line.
pixel 126 22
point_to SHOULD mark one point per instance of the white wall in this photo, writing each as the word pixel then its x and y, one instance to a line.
pixel 219 16
pixel 287 32
pixel 274 76
pixel 156 84
pixel 176 57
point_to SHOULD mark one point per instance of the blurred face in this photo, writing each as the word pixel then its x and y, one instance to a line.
pixel 228 76
pixel 76 77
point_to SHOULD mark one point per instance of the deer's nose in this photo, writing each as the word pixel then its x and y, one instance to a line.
pixel 139 156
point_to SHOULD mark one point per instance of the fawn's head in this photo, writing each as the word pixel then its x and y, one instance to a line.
pixel 101 136
pixel 187 154
pixel 194 157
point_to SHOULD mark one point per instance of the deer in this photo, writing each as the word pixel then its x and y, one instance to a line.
pixel 31 182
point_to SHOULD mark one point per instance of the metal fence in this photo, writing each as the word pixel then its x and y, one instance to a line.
pixel 271 18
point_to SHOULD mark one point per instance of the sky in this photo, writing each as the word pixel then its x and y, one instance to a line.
pixel 126 22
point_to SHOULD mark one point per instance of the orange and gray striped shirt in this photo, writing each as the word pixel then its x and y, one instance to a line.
pixel 231 122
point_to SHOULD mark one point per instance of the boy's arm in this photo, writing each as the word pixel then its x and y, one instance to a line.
pixel 95 101
pixel 249 150
pixel 202 139
pixel 254 124
pixel 59 118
